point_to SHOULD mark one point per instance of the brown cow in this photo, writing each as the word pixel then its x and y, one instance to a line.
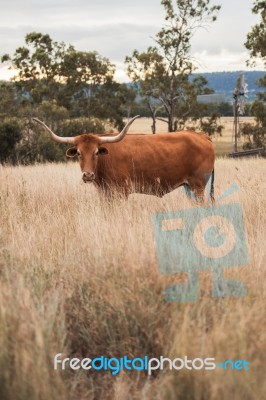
pixel 154 164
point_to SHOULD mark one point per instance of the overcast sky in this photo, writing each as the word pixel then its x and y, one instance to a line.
pixel 115 28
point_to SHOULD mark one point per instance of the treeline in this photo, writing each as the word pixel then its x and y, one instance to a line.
pixel 75 91
pixel 223 109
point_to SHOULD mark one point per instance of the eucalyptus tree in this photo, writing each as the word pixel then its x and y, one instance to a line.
pixel 163 70
pixel 256 44
pixel 79 81
pixel 49 70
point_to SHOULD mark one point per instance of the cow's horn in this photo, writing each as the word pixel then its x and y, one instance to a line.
pixel 58 139
pixel 120 136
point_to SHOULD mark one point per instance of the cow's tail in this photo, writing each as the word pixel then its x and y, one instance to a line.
pixel 212 188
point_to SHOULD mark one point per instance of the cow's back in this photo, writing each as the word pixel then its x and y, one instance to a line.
pixel 167 158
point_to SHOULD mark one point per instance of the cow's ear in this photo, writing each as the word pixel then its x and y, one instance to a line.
pixel 72 152
pixel 103 151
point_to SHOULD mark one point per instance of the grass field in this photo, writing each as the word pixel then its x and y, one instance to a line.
pixel 79 276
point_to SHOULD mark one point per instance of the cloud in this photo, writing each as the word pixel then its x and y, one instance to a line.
pixel 224 60
pixel 110 40
pixel 114 41
pixel 115 28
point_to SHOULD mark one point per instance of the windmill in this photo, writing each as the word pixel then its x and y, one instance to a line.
pixel 240 96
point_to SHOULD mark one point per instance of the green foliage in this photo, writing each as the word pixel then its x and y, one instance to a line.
pixel 36 146
pixel 45 60
pixel 78 126
pixel 8 102
pixel 44 150
pixel 68 89
pixel 256 44
pixel 221 109
pixel 255 134
pixel 163 70
pixel 258 110
pixel 256 38
pixel 10 135
pixel 211 125
pixel 51 111
pixel 201 87
pixel 80 82
pixel 108 102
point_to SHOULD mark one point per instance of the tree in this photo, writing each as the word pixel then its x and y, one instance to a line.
pixel 10 135
pixel 69 89
pixel 256 38
pixel 109 101
pixel 256 44
pixel 36 146
pixel 81 82
pixel 8 100
pixel 46 67
pixel 163 70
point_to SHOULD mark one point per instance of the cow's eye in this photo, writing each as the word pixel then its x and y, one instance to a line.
pixel 97 152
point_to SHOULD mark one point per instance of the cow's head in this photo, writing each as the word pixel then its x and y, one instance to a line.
pixel 87 147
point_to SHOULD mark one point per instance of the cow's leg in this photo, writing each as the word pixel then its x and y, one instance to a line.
pixel 187 191
pixel 212 188
pixel 197 185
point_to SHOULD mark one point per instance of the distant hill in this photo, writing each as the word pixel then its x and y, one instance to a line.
pixel 225 82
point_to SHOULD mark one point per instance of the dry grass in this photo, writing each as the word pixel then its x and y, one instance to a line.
pixel 79 275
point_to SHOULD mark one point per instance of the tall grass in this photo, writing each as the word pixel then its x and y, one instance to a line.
pixel 79 276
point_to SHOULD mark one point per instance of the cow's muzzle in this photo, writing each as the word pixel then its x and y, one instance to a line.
pixel 88 176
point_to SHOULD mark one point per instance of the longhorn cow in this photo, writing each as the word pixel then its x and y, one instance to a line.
pixel 143 163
